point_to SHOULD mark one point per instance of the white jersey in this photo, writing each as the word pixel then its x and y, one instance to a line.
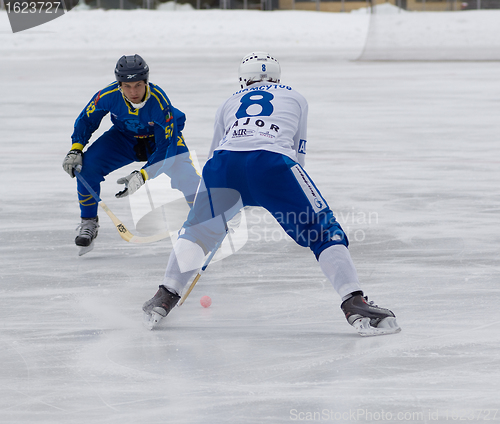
pixel 263 116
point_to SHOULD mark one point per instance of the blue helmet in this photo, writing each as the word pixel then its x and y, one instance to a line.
pixel 131 68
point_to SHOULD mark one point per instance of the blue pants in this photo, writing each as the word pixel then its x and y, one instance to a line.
pixel 113 150
pixel 266 179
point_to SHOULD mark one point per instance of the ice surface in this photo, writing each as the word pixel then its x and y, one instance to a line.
pixel 406 153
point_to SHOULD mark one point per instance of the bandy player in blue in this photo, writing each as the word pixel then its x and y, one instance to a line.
pixel 257 159
pixel 146 128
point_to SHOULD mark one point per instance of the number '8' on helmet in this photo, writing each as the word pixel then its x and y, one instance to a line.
pixel 259 66
pixel 131 68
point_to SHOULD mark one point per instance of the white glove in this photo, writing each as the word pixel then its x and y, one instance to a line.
pixel 132 182
pixel 73 159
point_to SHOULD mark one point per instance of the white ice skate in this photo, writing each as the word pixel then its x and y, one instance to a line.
pixel 367 318
pixel 388 325
pixel 152 319
pixel 158 307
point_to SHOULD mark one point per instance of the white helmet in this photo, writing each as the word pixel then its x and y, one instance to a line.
pixel 259 66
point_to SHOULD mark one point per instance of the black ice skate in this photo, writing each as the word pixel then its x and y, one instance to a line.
pixel 159 306
pixel 367 318
pixel 88 232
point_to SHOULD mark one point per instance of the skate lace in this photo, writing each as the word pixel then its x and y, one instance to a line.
pixel 370 302
pixel 87 228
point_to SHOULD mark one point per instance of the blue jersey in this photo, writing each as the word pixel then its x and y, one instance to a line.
pixel 157 118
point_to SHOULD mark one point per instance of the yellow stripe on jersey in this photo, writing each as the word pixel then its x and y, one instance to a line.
pixel 192 164
pixel 158 100
pixel 107 92
pixel 91 107
pixel 130 111
pixel 161 94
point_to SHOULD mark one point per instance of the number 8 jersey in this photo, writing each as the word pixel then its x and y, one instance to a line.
pixel 263 116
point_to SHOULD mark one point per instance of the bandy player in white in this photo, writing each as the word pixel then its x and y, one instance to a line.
pixel 256 159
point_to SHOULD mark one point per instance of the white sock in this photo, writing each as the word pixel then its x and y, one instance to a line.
pixel 186 258
pixel 336 263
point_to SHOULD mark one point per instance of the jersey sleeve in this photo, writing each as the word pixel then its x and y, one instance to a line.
pixel 89 120
pixel 300 138
pixel 218 131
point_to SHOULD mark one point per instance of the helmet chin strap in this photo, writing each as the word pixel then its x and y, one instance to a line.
pixel 138 105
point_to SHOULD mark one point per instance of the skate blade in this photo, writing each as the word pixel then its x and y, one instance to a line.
pixel 85 249
pixel 388 325
pixel 152 320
